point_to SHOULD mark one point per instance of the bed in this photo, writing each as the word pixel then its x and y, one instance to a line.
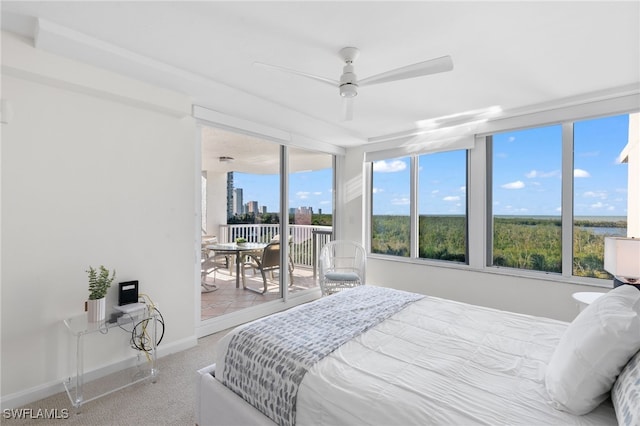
pixel 414 359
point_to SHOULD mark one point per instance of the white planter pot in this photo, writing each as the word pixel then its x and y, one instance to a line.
pixel 96 310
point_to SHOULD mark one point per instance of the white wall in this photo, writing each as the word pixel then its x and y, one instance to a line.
pixel 216 197
pixel 96 169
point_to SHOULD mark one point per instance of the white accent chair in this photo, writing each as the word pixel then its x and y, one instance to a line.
pixel 342 265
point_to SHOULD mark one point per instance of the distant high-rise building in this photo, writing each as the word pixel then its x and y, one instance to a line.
pixel 319 211
pixel 263 209
pixel 229 194
pixel 238 203
pixel 303 215
pixel 252 207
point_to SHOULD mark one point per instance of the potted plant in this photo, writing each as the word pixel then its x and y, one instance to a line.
pixel 99 283
pixel 240 241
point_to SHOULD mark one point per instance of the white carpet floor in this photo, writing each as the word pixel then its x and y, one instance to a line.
pixel 169 401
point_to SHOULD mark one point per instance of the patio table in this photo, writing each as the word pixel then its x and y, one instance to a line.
pixel 236 250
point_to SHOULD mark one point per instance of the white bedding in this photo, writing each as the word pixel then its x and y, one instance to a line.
pixel 439 362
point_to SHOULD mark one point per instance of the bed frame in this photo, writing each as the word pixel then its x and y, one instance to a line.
pixel 216 401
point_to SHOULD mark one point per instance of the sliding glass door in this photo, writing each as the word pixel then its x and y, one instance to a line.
pixel 242 208
pixel 311 201
pixel 243 186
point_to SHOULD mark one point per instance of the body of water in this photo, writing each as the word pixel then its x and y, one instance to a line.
pixel 602 230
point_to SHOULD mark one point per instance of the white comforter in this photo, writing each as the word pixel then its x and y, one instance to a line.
pixel 439 362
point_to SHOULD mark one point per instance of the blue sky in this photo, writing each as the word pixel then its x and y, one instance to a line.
pixel 526 176
pixel 309 188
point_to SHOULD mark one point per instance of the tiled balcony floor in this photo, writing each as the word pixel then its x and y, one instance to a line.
pixel 227 298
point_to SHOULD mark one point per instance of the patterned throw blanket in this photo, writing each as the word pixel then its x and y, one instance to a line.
pixel 266 360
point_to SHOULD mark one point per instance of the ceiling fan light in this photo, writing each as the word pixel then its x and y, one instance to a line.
pixel 348 90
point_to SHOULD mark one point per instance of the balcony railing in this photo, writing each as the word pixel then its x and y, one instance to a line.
pixel 306 240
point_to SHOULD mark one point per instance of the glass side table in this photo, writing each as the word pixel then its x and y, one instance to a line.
pixel 78 391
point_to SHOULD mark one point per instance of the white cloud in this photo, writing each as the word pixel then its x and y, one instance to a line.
pixel 595 194
pixel 538 174
pixel 451 198
pixel 600 205
pixel 435 191
pixel 513 185
pixel 377 190
pixel 579 173
pixel 463 189
pixel 511 138
pixel 303 195
pixel 317 193
pixel 392 166
pixel 401 201
pixel 603 206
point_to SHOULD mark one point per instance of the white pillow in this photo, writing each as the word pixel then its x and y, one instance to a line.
pixel 593 350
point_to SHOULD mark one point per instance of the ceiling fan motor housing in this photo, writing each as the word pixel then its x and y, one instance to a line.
pixel 348 82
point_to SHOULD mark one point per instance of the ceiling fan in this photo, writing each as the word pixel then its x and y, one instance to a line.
pixel 348 84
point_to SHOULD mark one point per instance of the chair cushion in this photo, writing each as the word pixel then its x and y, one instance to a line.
pixel 342 276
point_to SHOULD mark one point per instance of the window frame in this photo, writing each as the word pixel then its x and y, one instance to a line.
pixel 414 215
pixel 479 241
pixel 567 201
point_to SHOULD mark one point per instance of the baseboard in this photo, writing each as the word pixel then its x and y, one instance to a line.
pixel 27 396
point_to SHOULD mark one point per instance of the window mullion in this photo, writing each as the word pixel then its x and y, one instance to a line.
pixel 415 239
pixel 489 235
pixel 567 199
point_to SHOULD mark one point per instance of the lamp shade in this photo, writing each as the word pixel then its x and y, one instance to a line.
pixel 622 257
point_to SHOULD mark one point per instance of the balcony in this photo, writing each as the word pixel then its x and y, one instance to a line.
pixel 304 247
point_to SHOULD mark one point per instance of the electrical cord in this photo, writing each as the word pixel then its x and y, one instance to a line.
pixel 140 338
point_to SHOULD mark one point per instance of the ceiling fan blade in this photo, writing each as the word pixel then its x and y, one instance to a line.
pixel 432 66
pixel 334 83
pixel 347 109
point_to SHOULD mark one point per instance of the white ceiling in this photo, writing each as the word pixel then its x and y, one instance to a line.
pixel 507 54
pixel 249 154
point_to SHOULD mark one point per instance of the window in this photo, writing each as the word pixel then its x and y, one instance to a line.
pixel 442 201
pixel 441 219
pixel 527 187
pixel 534 199
pixel 600 191
pixel 391 207
pixel 527 198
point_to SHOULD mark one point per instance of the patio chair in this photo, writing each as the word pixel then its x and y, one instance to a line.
pixel 342 266
pixel 210 262
pixel 267 260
